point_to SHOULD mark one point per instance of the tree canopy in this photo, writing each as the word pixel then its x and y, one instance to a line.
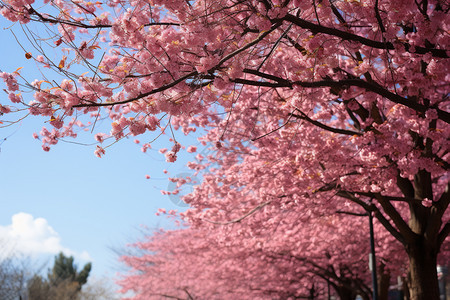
pixel 63 281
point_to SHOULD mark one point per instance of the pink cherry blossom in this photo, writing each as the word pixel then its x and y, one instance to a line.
pixel 306 111
pixel 99 152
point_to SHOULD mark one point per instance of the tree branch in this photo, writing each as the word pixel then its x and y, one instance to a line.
pixel 351 213
pixel 379 20
pixel 437 210
pixel 154 91
pixel 261 36
pixel 365 41
pixel 287 84
pixel 395 216
pixel 303 116
pixel 392 230
pixel 444 201
pixel 443 234
pixel 380 217
pixel 372 87
pixel 237 220
pixel 351 197
pixel 52 20
pixel 266 76
pixel 387 197
pixel 405 185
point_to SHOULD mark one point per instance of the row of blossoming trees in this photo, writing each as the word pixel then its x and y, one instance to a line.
pixel 317 111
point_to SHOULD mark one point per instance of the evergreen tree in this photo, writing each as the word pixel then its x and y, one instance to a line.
pixel 63 281
pixel 65 269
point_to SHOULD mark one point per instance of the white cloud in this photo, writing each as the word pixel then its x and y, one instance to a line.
pixel 33 237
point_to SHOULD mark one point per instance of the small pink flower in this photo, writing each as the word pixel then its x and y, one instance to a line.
pixel 191 149
pixel 99 152
pixel 15 98
pixel 171 156
pixel 99 137
pixel 147 176
pixel 427 202
pixel 4 109
pixel 176 147
pixel 57 122
pixel 145 147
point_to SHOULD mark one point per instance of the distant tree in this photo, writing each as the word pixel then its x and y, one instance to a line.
pixel 13 278
pixel 65 269
pixel 63 281
pixel 99 289
pixel 15 271
pixel 38 288
pixel 300 258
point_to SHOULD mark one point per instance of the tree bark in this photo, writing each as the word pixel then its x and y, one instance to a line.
pixel 423 248
pixel 384 278
pixel 423 284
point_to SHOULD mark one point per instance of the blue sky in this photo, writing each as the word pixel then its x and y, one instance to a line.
pixel 68 199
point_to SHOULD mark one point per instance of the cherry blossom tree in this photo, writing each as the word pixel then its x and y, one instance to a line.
pixel 284 257
pixel 317 103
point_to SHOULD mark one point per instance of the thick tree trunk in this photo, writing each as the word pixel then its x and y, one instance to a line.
pixel 424 246
pixel 345 293
pixel 423 283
